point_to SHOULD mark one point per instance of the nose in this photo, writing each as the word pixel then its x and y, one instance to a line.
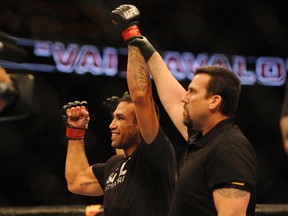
pixel 184 98
pixel 112 125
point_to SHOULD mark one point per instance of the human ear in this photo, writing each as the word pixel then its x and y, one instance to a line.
pixel 215 102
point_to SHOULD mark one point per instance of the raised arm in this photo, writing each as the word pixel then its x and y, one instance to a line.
pixel 169 89
pixel 139 84
pixel 79 175
pixel 138 78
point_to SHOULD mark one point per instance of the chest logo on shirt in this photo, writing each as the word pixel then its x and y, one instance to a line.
pixel 117 177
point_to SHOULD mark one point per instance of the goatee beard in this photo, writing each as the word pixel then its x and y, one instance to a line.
pixel 188 122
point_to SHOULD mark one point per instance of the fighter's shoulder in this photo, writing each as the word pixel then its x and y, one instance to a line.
pixel 115 158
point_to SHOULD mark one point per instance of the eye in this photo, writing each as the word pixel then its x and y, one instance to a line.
pixel 190 91
pixel 120 118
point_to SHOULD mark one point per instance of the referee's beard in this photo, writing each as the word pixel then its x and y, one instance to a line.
pixel 188 122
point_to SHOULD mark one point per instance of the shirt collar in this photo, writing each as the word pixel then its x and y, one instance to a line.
pixel 196 138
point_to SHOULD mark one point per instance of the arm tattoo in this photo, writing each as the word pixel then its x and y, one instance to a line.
pixel 138 68
pixel 231 192
pixel 84 184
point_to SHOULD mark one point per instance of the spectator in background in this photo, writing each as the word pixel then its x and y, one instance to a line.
pixel 8 91
pixel 284 121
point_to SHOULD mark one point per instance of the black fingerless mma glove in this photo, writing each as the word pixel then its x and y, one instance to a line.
pixel 144 45
pixel 73 132
pixel 127 17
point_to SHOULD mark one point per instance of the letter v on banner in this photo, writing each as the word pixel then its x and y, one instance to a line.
pixel 65 58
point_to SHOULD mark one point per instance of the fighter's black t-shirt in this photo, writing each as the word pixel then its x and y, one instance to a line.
pixel 141 184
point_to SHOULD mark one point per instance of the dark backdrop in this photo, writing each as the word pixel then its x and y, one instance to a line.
pixel 33 150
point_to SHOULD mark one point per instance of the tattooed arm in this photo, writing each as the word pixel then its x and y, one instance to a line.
pixel 79 175
pixel 139 84
pixel 231 201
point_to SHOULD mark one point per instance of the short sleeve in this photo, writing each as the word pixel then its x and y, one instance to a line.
pixel 99 171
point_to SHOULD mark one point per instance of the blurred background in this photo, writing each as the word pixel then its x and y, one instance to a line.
pixel 32 137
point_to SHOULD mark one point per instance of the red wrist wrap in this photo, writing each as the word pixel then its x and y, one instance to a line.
pixel 130 32
pixel 75 133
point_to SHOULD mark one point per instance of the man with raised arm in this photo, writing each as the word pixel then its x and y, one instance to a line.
pixel 141 181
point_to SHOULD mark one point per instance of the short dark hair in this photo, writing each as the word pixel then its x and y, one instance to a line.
pixel 126 98
pixel 225 83
pixel 112 102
